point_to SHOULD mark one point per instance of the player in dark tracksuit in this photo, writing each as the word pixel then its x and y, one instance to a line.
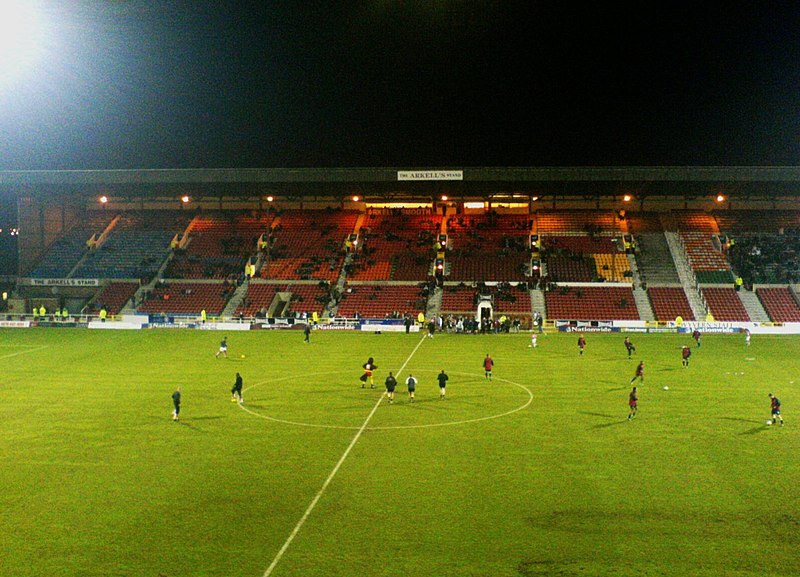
pixel 411 383
pixel 390 383
pixel 236 391
pixel 176 402
pixel 686 352
pixel 443 378
pixel 581 345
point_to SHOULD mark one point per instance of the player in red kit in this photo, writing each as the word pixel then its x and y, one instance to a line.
pixel 633 403
pixel 629 346
pixel 696 336
pixel 488 363
pixel 775 404
pixel 686 352
pixel 639 373
pixel 581 344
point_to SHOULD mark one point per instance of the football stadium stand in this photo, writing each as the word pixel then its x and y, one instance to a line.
pixel 182 298
pixel 489 247
pixel 669 303
pixel 505 299
pixel 591 303
pixel 302 255
pixel 724 304
pixel 67 251
pixel 780 303
pixel 135 248
pixel 219 245
pixel 308 244
pixel 396 246
pixel 380 301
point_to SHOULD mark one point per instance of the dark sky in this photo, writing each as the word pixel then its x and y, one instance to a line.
pixel 436 83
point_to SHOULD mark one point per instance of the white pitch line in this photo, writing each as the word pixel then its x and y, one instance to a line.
pixel 24 352
pixel 395 427
pixel 332 474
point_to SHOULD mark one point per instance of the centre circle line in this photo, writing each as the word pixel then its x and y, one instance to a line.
pixel 392 427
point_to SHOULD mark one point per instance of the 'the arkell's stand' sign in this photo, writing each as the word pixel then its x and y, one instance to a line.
pixel 64 282
pixel 430 175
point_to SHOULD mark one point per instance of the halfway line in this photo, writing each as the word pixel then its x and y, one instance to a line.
pixel 335 470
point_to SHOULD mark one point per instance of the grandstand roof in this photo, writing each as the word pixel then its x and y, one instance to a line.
pixel 749 181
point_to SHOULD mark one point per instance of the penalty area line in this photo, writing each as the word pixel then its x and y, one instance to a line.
pixel 332 474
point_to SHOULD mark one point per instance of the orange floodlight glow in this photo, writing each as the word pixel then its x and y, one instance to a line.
pixel 626 198
pixel 185 199
pixel 356 199
pixel 444 198
pixel 103 199
pixel 720 198
pixel 270 198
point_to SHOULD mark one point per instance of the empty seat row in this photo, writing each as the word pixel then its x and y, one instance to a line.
pixel 669 303
pixel 725 304
pixel 780 304
pixel 380 301
pixel 590 303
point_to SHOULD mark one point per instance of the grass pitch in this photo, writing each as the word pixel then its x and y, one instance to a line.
pixel 537 472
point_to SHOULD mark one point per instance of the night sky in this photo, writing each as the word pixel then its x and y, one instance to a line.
pixel 436 83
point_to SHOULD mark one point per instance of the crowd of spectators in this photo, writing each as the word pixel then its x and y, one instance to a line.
pixel 767 258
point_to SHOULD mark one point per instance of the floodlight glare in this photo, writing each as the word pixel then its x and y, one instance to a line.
pixel 185 199
pixel 356 199
pixel 103 199
pixel 21 36
pixel 720 198
pixel 626 198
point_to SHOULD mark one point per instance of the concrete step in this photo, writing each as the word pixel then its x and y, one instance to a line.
pixel 686 275
pixel 538 302
pixel 753 306
pixel 654 259
pixel 236 300
pixel 643 305
pixel 434 303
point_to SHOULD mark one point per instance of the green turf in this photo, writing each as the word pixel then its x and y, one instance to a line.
pixel 535 473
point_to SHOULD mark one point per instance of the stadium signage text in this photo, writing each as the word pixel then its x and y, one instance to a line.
pixel 430 175
pixel 15 324
pixel 64 282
